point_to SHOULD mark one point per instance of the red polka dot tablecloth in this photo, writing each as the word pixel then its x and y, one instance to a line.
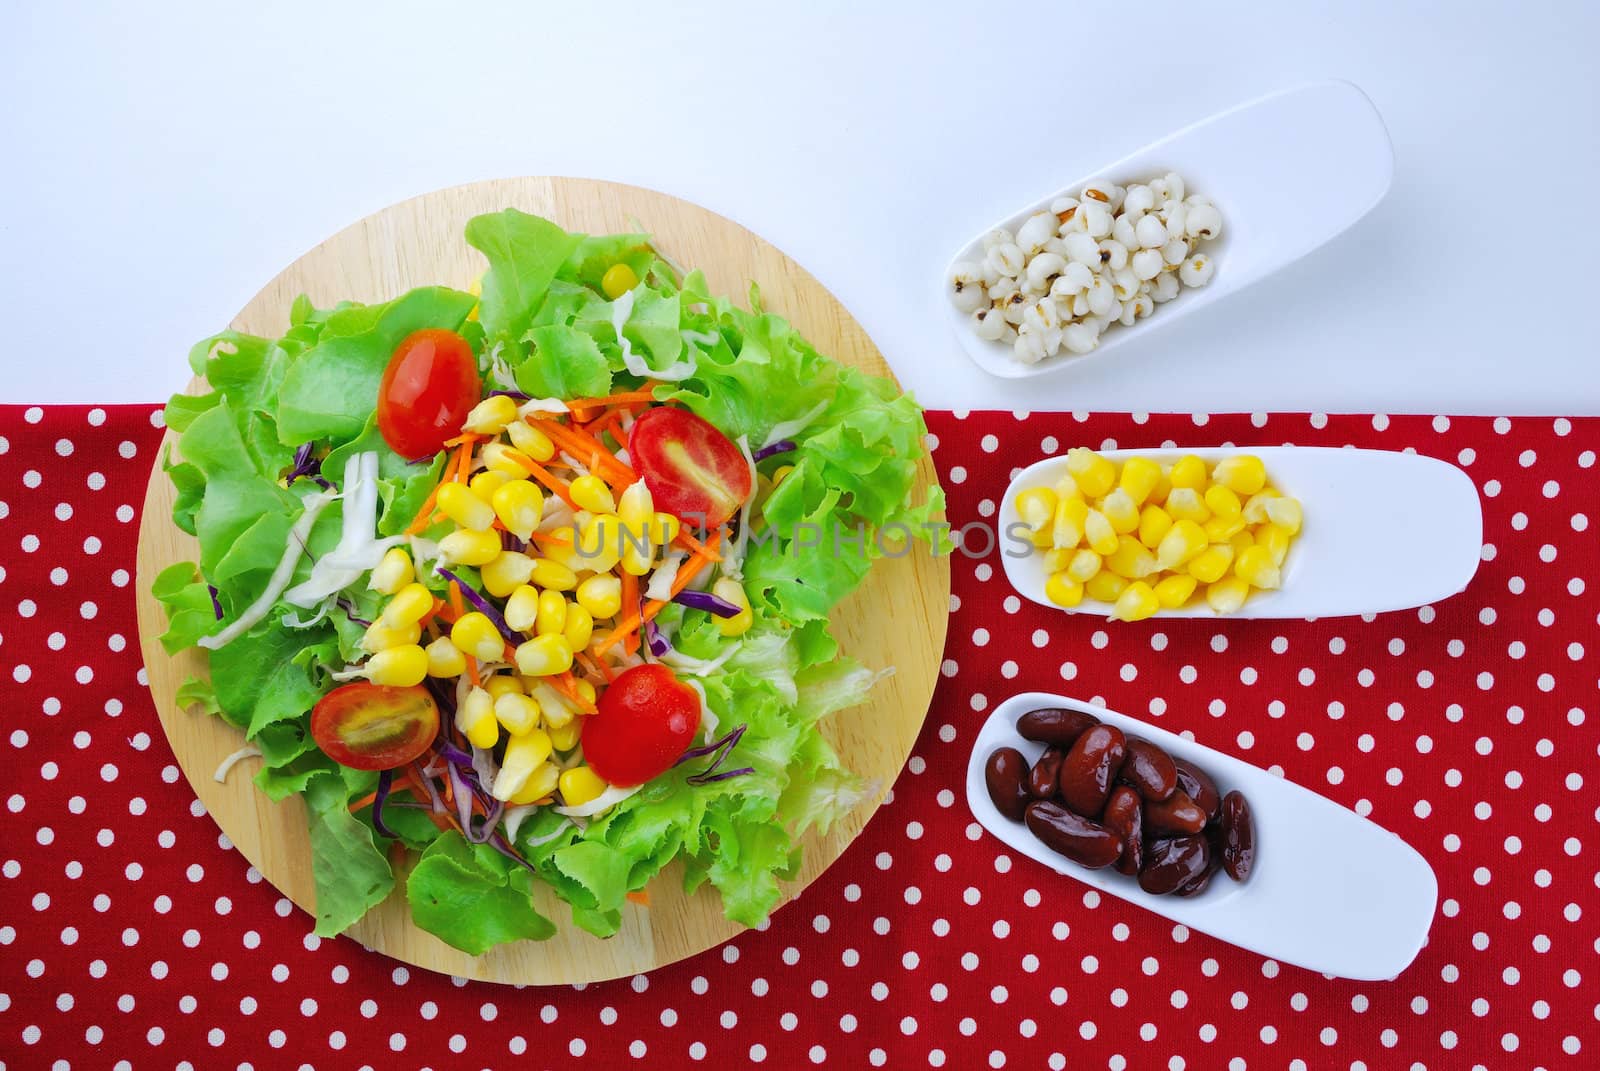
pixel 133 936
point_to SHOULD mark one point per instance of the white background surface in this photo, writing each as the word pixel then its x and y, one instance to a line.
pixel 161 162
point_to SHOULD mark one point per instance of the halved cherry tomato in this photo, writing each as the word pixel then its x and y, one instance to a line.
pixel 375 726
pixel 692 470
pixel 428 389
pixel 646 719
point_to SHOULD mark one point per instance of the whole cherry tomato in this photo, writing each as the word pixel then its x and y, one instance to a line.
pixel 430 386
pixel 646 719
pixel 693 471
pixel 375 726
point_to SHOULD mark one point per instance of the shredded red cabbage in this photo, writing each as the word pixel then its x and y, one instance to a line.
pixel 782 446
pixel 517 395
pixel 216 604
pixel 722 746
pixel 483 605
pixel 307 467
pixel 726 740
pixel 511 541
pixel 708 778
pixel 385 783
pixel 657 642
pixel 704 600
pixel 349 609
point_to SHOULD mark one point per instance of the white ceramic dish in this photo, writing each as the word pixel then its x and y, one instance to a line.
pixel 1329 891
pixel 1290 171
pixel 1384 530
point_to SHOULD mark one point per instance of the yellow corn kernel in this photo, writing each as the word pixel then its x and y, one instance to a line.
pixel 525 753
pixel 638 555
pixel 1285 512
pixel 1256 568
pixel 585 691
pixel 522 608
pixel 552 616
pixel 579 785
pixel 544 656
pixel 1105 586
pixel 552 574
pixel 1276 540
pixel 398 666
pixel 1154 524
pixel 530 441
pixel 509 571
pixel 485 483
pixel 456 501
pixel 540 784
pixel 579 629
pixel 1121 510
pixel 1137 602
pixel 567 736
pixel 1223 529
pixel 1222 501
pixel 618 280
pixel 592 494
pixel 1062 590
pixel 601 595
pixel 1162 489
pixel 500 684
pixel 1084 564
pixel 1227 594
pixel 408 606
pixel 1255 507
pixel 476 635
pixel 1094 475
pixel 558 710
pixel 380 637
pixel 664 528
pixel 465 546
pixel 1140 476
pixel 475 718
pixel 1182 542
pixel 1241 539
pixel 1132 559
pixel 732 591
pixel 504 459
pixel 490 416
pixel 601 543
pixel 475 288
pixel 1056 560
pixel 1188 471
pixel 1173 591
pixel 1036 507
pixel 1241 473
pixel 1185 504
pixel 1067 529
pixel 1210 564
pixel 1098 531
pixel 393 572
pixel 636 506
pixel 520 506
pixel 445 658
pixel 517 712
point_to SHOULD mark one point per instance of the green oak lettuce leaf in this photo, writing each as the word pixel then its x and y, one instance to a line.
pixel 563 362
pixel 524 252
pixel 351 874
pixel 330 390
pixel 190 614
pixel 473 898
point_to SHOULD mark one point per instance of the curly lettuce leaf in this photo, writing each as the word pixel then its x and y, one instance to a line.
pixel 524 254
pixel 351 873
pixel 564 363
pixel 473 898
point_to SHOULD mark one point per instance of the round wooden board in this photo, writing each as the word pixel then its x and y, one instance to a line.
pixel 897 618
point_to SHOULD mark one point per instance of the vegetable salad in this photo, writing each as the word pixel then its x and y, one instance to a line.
pixel 521 585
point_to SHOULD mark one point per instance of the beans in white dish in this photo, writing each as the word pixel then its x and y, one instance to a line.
pixel 1108 256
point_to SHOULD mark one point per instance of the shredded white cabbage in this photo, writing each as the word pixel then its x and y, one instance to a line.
pixel 249 751
pixel 296 621
pixel 621 309
pixel 708 717
pixel 733 560
pixel 500 373
pixel 512 820
pixel 359 550
pixel 603 802
pixel 280 576
pixel 542 405
pixel 788 429
pixel 659 588
pixel 704 338
pixel 699 667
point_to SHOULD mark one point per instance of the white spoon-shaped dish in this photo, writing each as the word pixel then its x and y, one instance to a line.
pixel 1289 171
pixel 1329 890
pixel 1383 530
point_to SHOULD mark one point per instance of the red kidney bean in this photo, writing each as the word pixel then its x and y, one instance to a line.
pixel 1056 725
pixel 1123 818
pixel 1004 774
pixel 1086 843
pixel 1090 767
pixel 1198 786
pixel 1200 882
pixel 1237 836
pixel 1149 770
pixel 1169 865
pixel 1046 772
pixel 1175 816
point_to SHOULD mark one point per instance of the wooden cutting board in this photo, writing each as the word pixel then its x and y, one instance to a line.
pixel 896 619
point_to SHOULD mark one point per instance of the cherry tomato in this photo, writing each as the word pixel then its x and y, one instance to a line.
pixel 375 726
pixel 428 389
pixel 646 719
pixel 692 470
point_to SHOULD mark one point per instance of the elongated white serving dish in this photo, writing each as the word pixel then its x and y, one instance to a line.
pixel 1383 530
pixel 1289 171
pixel 1329 891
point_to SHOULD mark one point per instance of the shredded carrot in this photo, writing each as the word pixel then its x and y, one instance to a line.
pixel 699 549
pixel 472 670
pixel 567 685
pixel 627 397
pixel 556 485
pixel 464 437
pixel 630 592
pixel 424 515
pixel 630 625
pixel 580 444
pixel 364 801
pixel 642 898
pixel 464 460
